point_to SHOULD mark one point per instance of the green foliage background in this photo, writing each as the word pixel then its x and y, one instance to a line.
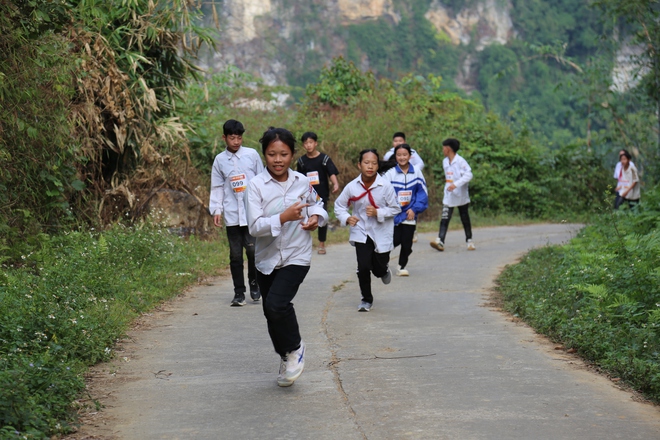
pixel 515 174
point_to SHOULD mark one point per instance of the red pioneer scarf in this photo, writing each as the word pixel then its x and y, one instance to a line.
pixel 366 193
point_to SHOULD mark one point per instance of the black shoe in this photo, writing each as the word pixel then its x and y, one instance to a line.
pixel 255 293
pixel 239 300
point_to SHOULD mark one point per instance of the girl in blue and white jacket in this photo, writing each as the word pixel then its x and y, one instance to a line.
pixel 412 196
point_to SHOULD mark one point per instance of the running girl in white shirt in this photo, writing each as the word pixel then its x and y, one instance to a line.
pixel 372 223
pixel 282 209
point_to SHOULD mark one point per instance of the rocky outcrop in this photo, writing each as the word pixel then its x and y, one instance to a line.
pixel 257 35
pixel 240 18
pixel 179 211
pixel 487 22
pixel 361 10
pixel 629 67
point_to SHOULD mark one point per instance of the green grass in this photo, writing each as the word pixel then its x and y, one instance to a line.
pixel 599 294
pixel 64 308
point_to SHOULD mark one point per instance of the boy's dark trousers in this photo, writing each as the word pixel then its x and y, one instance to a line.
pixel 447 211
pixel 369 261
pixel 277 290
pixel 239 237
pixel 403 235
pixel 323 230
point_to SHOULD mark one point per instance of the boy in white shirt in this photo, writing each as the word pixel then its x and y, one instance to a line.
pixel 457 175
pixel 232 170
pixel 400 138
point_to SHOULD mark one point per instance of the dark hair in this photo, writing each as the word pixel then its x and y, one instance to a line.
pixel 369 150
pixel 309 135
pixel 277 134
pixel 625 153
pixel 383 165
pixel 406 146
pixel 399 134
pixel 452 143
pixel 232 126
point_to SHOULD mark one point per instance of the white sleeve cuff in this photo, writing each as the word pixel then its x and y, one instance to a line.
pixel 275 225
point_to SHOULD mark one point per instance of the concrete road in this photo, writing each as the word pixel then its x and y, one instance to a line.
pixel 431 361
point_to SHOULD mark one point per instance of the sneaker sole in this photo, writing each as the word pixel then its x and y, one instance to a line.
pixel 284 383
pixel 437 247
pixel 255 299
pixel 237 304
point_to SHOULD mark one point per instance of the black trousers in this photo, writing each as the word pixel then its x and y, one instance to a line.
pixel 620 201
pixel 323 230
pixel 403 235
pixel 239 238
pixel 447 211
pixel 277 291
pixel 369 261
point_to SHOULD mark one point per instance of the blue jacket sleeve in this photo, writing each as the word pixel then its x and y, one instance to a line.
pixel 421 200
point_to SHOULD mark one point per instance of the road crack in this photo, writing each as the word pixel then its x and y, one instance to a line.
pixel 334 359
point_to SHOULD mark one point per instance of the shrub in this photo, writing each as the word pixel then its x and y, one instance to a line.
pixel 600 294
pixel 66 306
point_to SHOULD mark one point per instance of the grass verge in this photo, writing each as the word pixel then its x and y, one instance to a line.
pixel 599 295
pixel 63 310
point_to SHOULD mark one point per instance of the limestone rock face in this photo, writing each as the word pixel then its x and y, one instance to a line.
pixel 253 32
pixel 240 16
pixel 489 21
pixel 629 67
pixel 361 10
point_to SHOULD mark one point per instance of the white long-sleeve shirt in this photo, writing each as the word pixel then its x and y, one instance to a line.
pixel 415 158
pixel 617 169
pixel 379 228
pixel 230 176
pixel 459 173
pixel 278 245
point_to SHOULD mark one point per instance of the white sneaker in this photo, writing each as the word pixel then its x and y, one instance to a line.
pixel 281 379
pixel 471 246
pixel 402 272
pixel 438 244
pixel 293 365
pixel 364 306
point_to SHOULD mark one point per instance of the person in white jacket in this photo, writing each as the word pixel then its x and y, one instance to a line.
pixel 457 175
pixel 371 221
pixel 400 138
pixel 627 188
pixel 282 209
pixel 232 170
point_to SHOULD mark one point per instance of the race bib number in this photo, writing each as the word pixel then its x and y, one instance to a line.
pixel 238 183
pixel 405 197
pixel 313 177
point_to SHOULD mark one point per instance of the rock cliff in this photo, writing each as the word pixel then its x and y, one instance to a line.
pixel 265 37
